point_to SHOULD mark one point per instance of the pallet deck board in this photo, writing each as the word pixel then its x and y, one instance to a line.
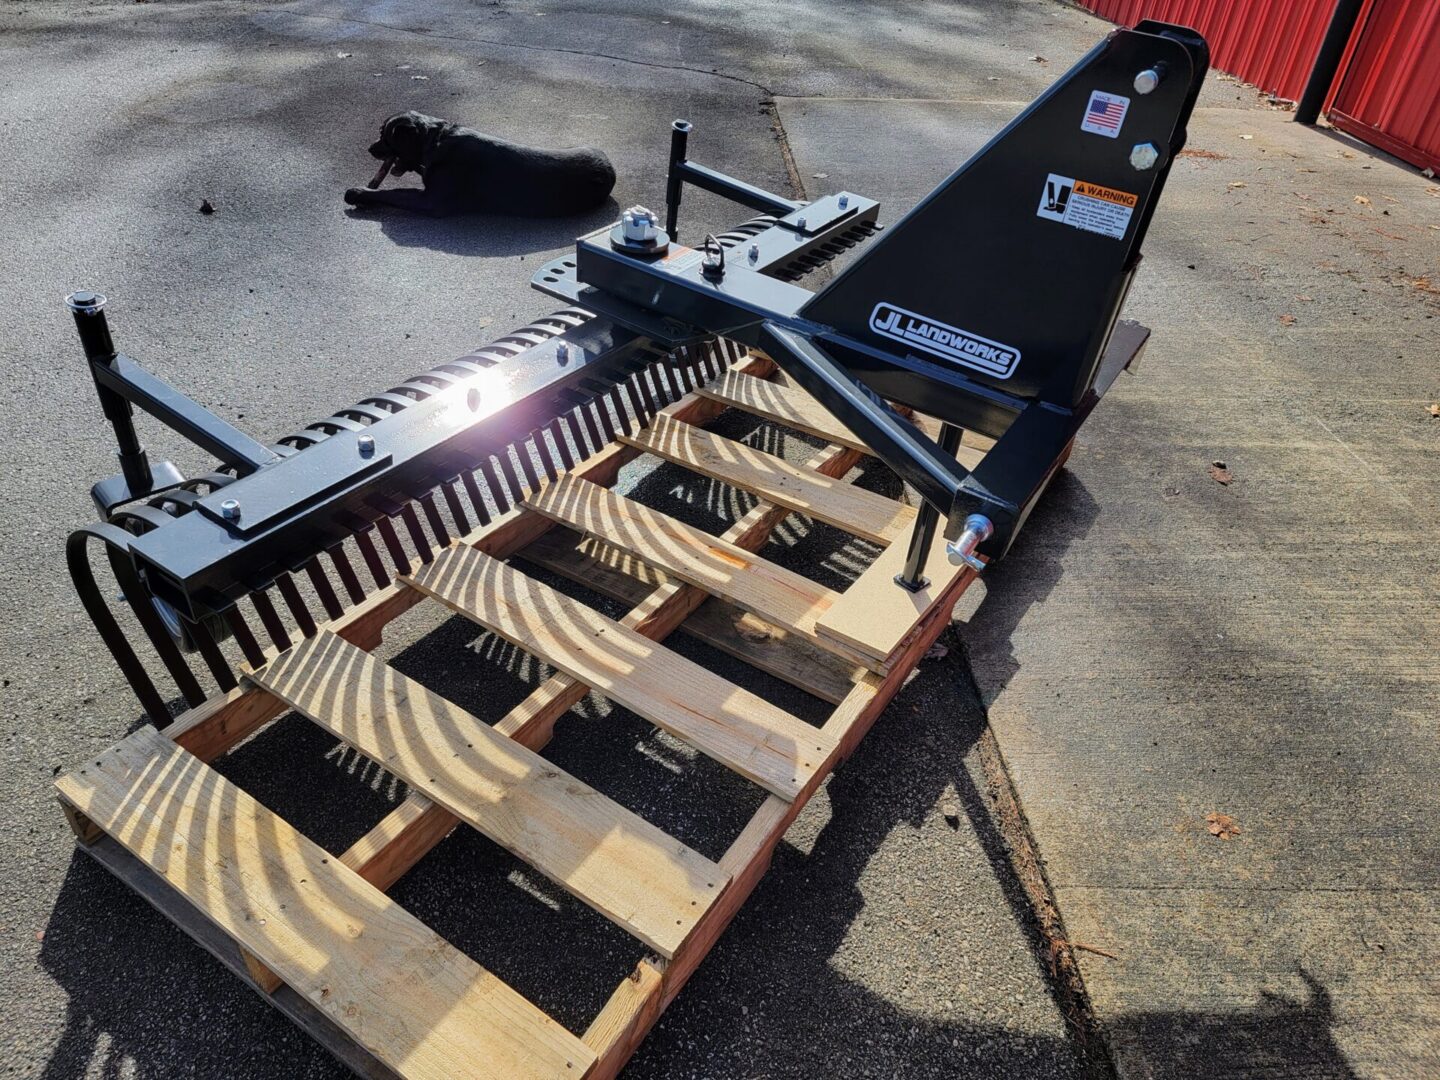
pixel 615 861
pixel 621 576
pixel 740 730
pixel 854 510
pixel 709 562
pixel 786 405
pixel 396 987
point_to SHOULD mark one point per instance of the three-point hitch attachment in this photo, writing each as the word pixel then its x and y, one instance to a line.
pixel 988 307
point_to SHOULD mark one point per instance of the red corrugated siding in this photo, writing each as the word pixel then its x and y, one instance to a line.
pixel 1390 93
pixel 1271 43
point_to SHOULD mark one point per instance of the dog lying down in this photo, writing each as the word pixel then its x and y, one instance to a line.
pixel 467 172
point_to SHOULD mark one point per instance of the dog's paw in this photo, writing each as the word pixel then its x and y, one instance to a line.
pixel 355 196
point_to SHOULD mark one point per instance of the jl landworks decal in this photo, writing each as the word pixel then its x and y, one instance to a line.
pixel 945 341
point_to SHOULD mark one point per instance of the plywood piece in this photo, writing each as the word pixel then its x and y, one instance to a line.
pixel 619 575
pixel 786 405
pixel 633 873
pixel 778 596
pixel 735 727
pixel 874 615
pixel 856 511
pixel 391 983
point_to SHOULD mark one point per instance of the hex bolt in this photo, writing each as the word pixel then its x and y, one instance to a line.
pixel 754 253
pixel 978 529
pixel 230 509
pixel 1143 156
pixel 366 445
pixel 800 223
pixel 843 201
pixel 562 353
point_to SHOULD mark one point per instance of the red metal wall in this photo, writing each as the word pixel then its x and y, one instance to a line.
pixel 1271 43
pixel 1390 92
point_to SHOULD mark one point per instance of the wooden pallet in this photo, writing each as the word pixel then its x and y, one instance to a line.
pixel 316 931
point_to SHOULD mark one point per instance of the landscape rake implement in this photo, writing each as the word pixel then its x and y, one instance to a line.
pixel 962 347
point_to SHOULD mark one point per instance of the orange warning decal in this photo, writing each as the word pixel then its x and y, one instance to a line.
pixel 1095 191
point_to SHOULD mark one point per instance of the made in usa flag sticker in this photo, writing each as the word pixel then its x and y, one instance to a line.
pixel 1105 114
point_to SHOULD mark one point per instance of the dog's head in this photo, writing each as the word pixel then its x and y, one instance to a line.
pixel 403 137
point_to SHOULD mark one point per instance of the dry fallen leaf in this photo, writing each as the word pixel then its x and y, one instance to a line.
pixel 1434 409
pixel 1287 320
pixel 938 651
pixel 1222 825
pixel 1220 472
pixel 343 55
pixel 420 78
pixel 820 175
pixel 1429 174
pixel 1306 299
pixel 1247 137
pixel 1237 183
pixel 1362 200
pixel 1039 59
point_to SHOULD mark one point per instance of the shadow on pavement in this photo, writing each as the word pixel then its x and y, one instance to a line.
pixel 484 234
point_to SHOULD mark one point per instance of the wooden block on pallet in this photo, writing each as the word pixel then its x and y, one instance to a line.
pixel 633 873
pixel 708 562
pixel 856 511
pixel 875 615
pixel 391 983
pixel 763 743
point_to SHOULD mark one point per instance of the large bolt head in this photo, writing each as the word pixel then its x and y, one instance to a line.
pixel 86 301
pixel 366 445
pixel 1147 81
pixel 1144 156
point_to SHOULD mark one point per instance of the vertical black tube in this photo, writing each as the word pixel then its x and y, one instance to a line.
pixel 674 183
pixel 89 311
pixel 923 534
pixel 1327 61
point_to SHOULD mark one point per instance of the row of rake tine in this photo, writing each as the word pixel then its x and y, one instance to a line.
pixel 584 420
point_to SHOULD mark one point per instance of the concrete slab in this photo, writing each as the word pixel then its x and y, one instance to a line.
pixel 889 940
pixel 1160 647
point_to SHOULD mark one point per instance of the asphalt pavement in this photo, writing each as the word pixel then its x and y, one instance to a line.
pixel 1160 646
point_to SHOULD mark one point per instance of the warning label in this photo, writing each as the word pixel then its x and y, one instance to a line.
pixel 1087 206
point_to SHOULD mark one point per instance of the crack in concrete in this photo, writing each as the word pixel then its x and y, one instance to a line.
pixel 431 35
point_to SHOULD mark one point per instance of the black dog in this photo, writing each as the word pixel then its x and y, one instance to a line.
pixel 467 172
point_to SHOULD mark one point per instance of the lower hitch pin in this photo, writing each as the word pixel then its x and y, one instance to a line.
pixel 978 529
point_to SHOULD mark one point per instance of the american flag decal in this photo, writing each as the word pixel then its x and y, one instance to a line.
pixel 1105 113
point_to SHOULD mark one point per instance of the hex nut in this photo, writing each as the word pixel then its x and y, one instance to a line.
pixel 1143 156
